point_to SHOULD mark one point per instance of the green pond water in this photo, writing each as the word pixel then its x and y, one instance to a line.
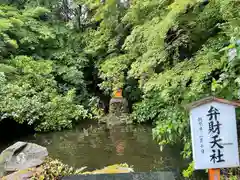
pixel 96 146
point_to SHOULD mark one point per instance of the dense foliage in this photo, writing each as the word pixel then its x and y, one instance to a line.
pixel 166 54
pixel 42 76
pixel 169 53
pixel 58 56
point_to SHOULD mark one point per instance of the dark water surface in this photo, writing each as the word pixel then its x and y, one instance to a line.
pixel 96 146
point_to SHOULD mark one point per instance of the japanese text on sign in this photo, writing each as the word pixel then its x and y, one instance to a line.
pixel 213 145
pixel 215 131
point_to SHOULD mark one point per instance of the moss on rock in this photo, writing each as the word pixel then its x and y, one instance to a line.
pixel 53 168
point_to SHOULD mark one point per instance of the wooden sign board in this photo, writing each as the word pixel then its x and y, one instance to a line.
pixel 214 133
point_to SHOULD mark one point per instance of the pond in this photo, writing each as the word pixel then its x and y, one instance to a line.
pixel 96 146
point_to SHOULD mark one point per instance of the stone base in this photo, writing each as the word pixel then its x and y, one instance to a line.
pixel 118 105
pixel 125 176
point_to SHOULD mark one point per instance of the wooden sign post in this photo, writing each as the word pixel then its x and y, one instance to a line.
pixel 214 135
pixel 214 174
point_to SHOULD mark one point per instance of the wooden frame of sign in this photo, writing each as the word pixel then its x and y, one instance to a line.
pixel 214 134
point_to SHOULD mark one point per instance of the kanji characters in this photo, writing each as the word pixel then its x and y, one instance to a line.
pixel 214 129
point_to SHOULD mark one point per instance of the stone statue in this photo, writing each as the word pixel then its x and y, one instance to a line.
pixel 118 104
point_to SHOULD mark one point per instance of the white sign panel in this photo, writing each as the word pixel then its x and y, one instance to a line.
pixel 214 136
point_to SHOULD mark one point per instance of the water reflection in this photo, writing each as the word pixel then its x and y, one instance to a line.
pixel 97 146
